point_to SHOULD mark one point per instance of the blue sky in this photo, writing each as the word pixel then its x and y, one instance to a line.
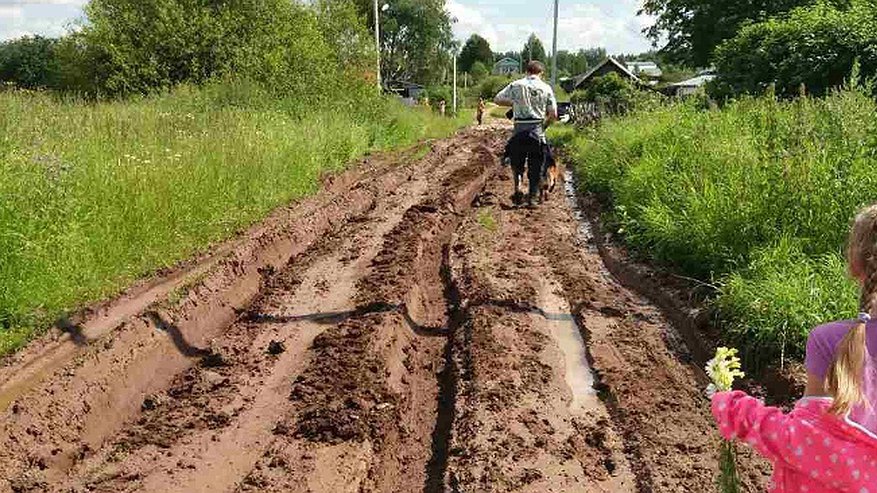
pixel 505 23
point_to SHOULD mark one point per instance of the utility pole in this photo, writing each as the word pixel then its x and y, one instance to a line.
pixel 378 42
pixel 455 79
pixel 554 48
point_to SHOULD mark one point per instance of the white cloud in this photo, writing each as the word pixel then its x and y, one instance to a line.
pixel 9 11
pixel 37 17
pixel 470 21
pixel 613 24
pixel 77 3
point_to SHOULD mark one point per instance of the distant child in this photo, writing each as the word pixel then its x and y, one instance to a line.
pixel 829 442
pixel 442 108
pixel 480 113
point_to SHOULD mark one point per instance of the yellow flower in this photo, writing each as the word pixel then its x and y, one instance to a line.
pixel 724 369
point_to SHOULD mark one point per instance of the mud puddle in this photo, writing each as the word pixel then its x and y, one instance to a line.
pixel 567 334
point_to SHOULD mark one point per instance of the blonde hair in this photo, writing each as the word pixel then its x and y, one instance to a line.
pixel 846 375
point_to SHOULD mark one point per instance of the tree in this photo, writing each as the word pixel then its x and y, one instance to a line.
pixel 141 45
pixel 476 49
pixel 533 50
pixel 694 28
pixel 569 63
pixel 478 72
pixel 815 46
pixel 30 62
pixel 416 39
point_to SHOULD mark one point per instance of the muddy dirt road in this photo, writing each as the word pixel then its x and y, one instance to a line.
pixel 406 330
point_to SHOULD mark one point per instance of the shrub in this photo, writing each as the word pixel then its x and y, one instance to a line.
pixel 30 62
pixel 756 197
pixel 492 86
pixel 813 46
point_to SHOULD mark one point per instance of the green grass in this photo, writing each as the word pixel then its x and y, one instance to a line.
pixel 95 196
pixel 756 197
pixel 486 220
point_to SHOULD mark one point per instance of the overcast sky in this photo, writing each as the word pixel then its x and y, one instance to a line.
pixel 505 23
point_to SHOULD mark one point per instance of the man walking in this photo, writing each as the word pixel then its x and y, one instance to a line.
pixel 535 107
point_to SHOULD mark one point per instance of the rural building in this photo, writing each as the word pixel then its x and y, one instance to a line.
pixel 693 85
pixel 506 66
pixel 650 69
pixel 605 67
pixel 405 89
pixel 409 92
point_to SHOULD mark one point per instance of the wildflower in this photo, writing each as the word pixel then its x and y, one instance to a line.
pixel 724 369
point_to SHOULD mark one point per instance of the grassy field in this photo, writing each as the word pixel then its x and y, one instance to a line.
pixel 755 198
pixel 95 196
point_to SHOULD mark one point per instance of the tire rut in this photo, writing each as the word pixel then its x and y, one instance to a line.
pixel 185 396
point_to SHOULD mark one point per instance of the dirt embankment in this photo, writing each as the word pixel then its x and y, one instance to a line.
pixel 407 329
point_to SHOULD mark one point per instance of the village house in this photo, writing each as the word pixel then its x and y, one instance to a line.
pixel 649 69
pixel 607 66
pixel 506 66
pixel 693 85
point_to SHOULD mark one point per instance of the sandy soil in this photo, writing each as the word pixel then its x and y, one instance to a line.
pixel 407 329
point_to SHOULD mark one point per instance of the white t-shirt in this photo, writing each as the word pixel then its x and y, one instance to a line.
pixel 533 99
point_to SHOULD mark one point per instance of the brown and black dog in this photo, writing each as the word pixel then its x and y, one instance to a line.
pixel 549 182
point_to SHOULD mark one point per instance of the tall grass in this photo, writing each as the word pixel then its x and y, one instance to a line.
pixel 94 196
pixel 756 197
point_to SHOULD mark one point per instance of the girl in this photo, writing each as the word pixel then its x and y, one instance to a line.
pixel 829 442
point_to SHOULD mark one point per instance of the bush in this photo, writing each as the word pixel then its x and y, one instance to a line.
pixel 30 63
pixel 615 95
pixel 756 197
pixel 478 72
pixel 492 86
pixel 814 46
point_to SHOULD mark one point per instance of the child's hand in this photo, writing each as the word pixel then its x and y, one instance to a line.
pixel 711 391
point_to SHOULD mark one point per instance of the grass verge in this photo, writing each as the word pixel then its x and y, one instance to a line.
pixel 95 196
pixel 756 197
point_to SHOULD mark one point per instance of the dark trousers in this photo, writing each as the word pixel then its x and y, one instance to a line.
pixel 527 151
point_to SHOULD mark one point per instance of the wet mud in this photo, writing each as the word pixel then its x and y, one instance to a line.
pixel 407 329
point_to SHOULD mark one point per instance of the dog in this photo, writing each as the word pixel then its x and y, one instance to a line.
pixel 549 181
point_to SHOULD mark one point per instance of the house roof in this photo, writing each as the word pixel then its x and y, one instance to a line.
pixel 402 84
pixel 577 80
pixel 507 61
pixel 695 81
pixel 649 68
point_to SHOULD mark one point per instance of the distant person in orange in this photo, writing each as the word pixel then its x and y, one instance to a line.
pixel 480 114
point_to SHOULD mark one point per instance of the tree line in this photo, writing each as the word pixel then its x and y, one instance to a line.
pixel 789 45
pixel 312 49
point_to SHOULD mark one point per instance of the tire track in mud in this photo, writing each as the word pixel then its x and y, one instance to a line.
pixel 407 329
pixel 526 416
pixel 179 398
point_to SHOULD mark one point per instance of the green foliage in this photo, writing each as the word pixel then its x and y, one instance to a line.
pixel 692 29
pixel 478 72
pixel 440 93
pixel 492 86
pixel 30 62
pixel 613 93
pixel 138 46
pixel 476 50
pixel 756 197
pixel 416 39
pixel 570 64
pixel 97 195
pixel 814 46
pixel 534 50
